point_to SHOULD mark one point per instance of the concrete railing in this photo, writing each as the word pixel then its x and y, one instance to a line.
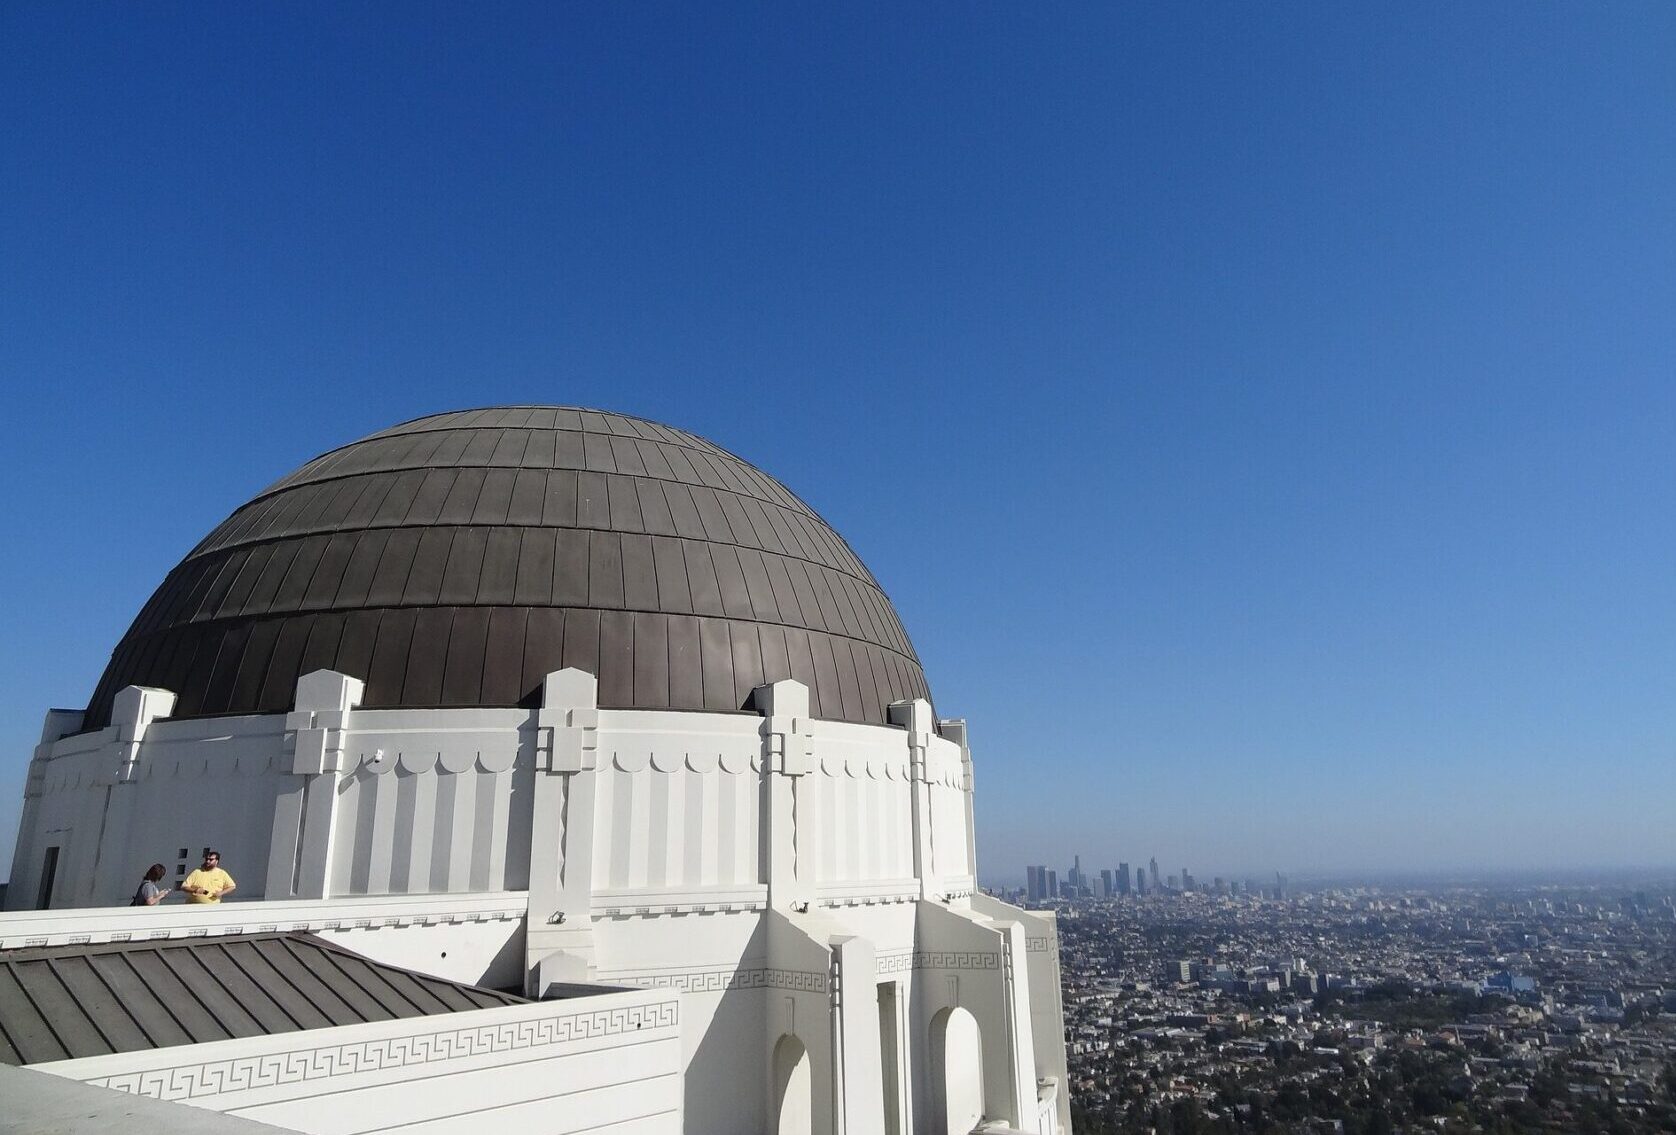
pixel 98 925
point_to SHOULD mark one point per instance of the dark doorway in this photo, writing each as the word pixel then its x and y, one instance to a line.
pixel 49 874
pixel 890 1056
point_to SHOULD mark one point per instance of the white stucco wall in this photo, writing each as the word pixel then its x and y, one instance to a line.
pixel 1047 1010
pixel 434 801
pixel 772 869
pixel 195 784
pixel 611 1060
pixel 440 801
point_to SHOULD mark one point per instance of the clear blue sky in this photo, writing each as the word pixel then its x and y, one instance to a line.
pixel 1263 416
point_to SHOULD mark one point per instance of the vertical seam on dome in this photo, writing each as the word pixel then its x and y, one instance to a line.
pixel 260 653
pixel 184 661
pixel 326 619
pixel 290 626
pixel 470 513
pixel 303 544
pixel 556 477
pixel 233 601
pixel 366 485
pixel 423 648
pixel 422 450
pixel 476 661
pixel 363 538
pixel 557 660
pixel 522 449
pixel 413 564
pixel 362 517
pixel 622 568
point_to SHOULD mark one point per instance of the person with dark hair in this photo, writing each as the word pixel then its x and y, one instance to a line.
pixel 150 894
pixel 209 883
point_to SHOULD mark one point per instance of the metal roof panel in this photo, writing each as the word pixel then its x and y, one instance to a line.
pixel 67 1002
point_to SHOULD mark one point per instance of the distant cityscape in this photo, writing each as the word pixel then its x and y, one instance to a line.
pixel 1247 1005
pixel 1043 884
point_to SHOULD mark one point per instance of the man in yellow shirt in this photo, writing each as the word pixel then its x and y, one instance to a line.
pixel 208 883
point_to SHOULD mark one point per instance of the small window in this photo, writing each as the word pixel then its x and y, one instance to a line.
pixel 49 875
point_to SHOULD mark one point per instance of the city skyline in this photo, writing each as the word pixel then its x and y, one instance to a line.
pixel 1043 882
pixel 1261 418
pixel 1258 876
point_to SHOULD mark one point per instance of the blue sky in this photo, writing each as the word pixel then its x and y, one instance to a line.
pixel 1264 417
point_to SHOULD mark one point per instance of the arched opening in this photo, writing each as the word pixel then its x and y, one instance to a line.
pixel 794 1103
pixel 957 1070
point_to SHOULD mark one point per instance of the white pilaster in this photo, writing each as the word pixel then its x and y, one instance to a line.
pixel 559 943
pixel 132 713
pixel 1020 1038
pixel 790 819
pixel 954 729
pixel 860 1076
pixel 305 816
pixel 915 717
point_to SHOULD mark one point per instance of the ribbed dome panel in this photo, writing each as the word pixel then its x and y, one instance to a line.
pixel 457 559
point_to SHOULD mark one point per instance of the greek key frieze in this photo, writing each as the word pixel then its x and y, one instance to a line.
pixel 305 1064
pixel 697 981
pixel 722 979
pixel 799 980
pixel 899 962
pixel 957 959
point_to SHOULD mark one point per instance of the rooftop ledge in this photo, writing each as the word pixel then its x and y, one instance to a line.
pixel 100 924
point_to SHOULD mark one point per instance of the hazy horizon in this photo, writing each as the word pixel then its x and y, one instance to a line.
pixel 1261 418
pixel 1394 877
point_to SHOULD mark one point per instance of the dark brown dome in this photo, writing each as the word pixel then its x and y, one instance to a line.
pixel 455 560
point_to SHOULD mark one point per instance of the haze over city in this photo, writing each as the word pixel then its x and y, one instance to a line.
pixel 1262 419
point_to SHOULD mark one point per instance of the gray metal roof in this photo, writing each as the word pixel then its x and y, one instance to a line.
pixel 457 559
pixel 66 1002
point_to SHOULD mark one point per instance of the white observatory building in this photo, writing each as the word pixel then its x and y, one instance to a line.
pixel 576 776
